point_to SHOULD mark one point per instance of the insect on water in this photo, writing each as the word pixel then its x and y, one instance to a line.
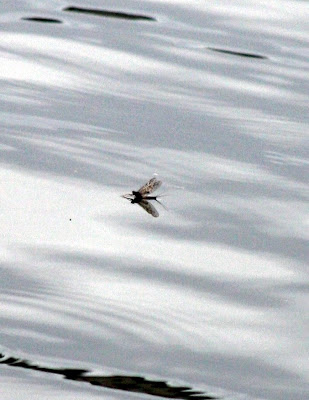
pixel 141 196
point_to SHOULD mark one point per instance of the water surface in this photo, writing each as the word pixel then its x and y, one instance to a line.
pixel 209 299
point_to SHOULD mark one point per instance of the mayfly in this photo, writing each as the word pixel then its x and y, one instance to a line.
pixel 141 196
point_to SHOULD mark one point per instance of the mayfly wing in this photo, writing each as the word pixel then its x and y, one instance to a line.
pixel 150 186
pixel 149 208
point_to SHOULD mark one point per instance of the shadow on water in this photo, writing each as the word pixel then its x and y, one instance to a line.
pixel 240 232
pixel 109 14
pixel 253 292
pixel 134 384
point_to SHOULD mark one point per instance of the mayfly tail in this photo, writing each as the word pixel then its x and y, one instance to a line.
pixel 170 190
pixel 165 194
pixel 161 203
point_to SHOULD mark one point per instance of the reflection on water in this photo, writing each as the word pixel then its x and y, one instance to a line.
pixel 41 19
pixel 237 53
pixel 148 207
pixel 135 384
pixel 109 14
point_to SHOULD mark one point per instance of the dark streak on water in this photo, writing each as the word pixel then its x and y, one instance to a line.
pixel 109 14
pixel 41 19
pixel 238 53
pixel 134 384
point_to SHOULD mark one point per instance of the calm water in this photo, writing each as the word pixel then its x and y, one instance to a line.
pixel 98 298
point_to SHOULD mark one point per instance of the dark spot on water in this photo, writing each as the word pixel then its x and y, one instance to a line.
pixel 41 19
pixel 109 14
pixel 237 53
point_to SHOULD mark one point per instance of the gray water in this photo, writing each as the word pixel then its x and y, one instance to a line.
pixel 98 298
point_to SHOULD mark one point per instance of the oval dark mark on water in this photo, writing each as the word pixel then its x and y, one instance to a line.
pixel 109 14
pixel 44 20
pixel 237 53
pixel 136 384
